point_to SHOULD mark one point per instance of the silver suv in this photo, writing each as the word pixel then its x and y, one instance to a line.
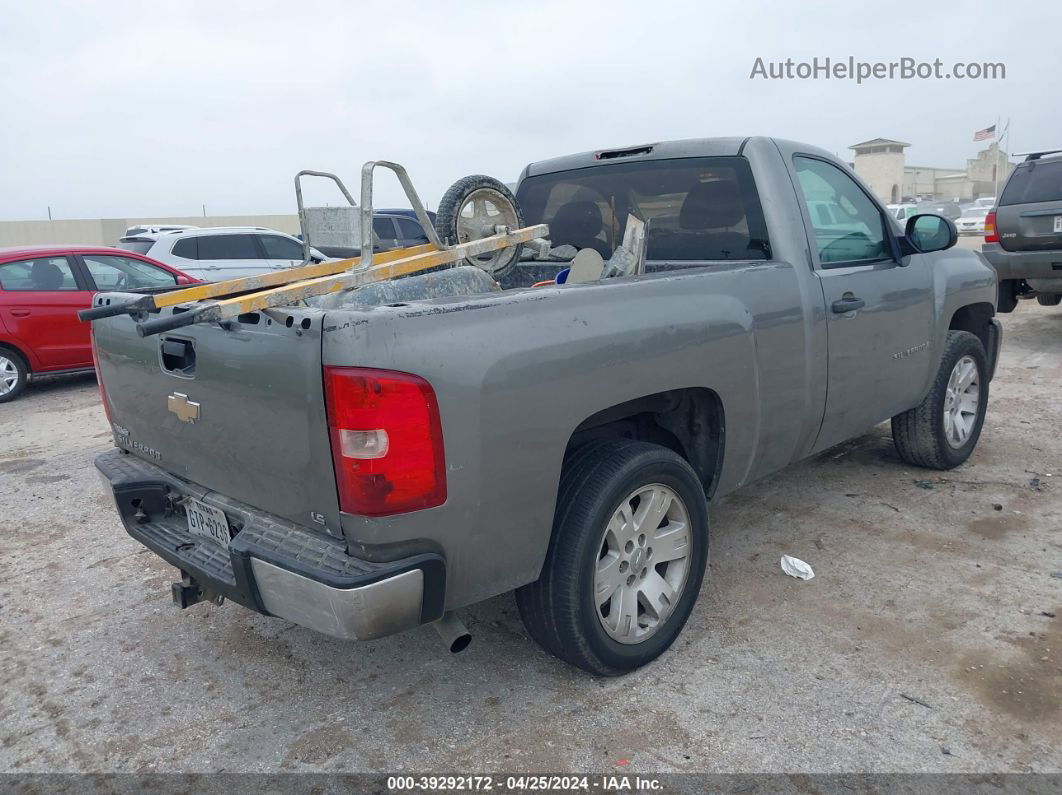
pixel 1023 235
pixel 217 253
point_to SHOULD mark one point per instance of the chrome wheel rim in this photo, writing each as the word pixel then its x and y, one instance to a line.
pixel 642 563
pixel 482 214
pixel 962 401
pixel 8 375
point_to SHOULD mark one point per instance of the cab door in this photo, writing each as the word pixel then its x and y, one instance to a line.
pixel 39 300
pixel 879 304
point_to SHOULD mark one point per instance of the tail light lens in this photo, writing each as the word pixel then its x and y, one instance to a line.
pixel 386 441
pixel 991 236
pixel 99 378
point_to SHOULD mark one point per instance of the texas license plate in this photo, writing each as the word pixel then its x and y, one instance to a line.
pixel 207 521
pixel 1058 223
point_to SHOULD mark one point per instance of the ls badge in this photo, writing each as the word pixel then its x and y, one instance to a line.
pixel 185 409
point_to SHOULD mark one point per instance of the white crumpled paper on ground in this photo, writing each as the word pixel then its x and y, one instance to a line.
pixel 795 567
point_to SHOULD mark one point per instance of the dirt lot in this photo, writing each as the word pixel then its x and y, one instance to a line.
pixel 931 638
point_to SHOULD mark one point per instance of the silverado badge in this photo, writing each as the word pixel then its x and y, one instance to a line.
pixel 185 409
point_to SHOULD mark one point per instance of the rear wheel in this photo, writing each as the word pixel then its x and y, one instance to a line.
pixel 1049 299
pixel 625 565
pixel 942 431
pixel 14 375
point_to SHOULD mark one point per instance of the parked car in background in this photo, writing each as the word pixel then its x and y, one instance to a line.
pixel 41 290
pixel 972 221
pixel 1023 234
pixel 393 229
pixel 155 229
pixel 950 210
pixel 216 253
pixel 985 201
pixel 901 212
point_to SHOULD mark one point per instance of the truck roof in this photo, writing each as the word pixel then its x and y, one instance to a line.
pixel 659 150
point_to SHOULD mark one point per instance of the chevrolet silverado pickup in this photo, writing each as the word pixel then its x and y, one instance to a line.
pixel 370 463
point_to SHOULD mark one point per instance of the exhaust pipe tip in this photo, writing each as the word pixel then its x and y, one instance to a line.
pixel 453 632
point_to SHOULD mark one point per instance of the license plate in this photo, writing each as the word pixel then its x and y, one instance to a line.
pixel 207 521
pixel 1058 223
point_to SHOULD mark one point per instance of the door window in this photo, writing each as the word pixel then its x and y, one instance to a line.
pixel 384 228
pixel 227 247
pixel 410 230
pixel 857 235
pixel 277 247
pixel 41 274
pixel 125 273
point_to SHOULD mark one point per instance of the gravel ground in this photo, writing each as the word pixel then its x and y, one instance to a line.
pixel 929 640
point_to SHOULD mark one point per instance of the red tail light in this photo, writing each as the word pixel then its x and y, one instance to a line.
pixel 99 378
pixel 991 236
pixel 386 441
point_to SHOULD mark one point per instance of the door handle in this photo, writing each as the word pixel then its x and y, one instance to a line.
pixel 20 312
pixel 848 303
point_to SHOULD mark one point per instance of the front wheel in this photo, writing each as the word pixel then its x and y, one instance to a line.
pixel 1049 299
pixel 942 431
pixel 626 561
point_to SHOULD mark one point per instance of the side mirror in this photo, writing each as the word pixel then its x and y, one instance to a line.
pixel 927 233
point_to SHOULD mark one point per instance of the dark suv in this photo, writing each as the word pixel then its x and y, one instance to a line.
pixel 1023 234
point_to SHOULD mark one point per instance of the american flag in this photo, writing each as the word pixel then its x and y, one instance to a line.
pixel 985 134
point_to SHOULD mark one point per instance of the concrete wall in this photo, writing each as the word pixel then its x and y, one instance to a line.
pixel 106 231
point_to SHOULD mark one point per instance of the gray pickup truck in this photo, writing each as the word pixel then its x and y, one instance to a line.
pixel 366 467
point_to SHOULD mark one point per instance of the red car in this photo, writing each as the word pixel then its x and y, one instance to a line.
pixel 41 290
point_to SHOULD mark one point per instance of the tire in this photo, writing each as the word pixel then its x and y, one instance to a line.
pixel 922 435
pixel 12 366
pixel 1049 299
pixel 1007 295
pixel 560 611
pixel 452 228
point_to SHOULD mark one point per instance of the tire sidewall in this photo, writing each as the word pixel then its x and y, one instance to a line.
pixel 23 374
pixel 970 346
pixel 674 475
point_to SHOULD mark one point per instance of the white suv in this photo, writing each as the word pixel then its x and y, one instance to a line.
pixel 218 253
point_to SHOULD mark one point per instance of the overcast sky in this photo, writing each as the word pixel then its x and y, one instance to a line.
pixel 112 109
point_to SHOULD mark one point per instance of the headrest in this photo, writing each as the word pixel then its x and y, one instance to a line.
pixel 575 222
pixel 46 275
pixel 712 205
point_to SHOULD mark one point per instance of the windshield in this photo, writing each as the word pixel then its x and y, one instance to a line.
pixel 140 246
pixel 976 212
pixel 696 209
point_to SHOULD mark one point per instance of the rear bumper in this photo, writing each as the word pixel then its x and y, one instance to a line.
pixel 1028 265
pixel 271 565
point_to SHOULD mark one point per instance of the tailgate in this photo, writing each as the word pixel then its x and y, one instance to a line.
pixel 239 411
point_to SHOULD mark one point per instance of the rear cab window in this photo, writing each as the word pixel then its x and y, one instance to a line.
pixel 699 209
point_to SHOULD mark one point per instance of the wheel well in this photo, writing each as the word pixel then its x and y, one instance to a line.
pixel 7 346
pixel 974 318
pixel 687 421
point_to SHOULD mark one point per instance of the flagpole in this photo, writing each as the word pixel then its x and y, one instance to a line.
pixel 995 165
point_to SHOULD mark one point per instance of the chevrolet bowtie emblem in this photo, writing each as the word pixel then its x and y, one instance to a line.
pixel 185 409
